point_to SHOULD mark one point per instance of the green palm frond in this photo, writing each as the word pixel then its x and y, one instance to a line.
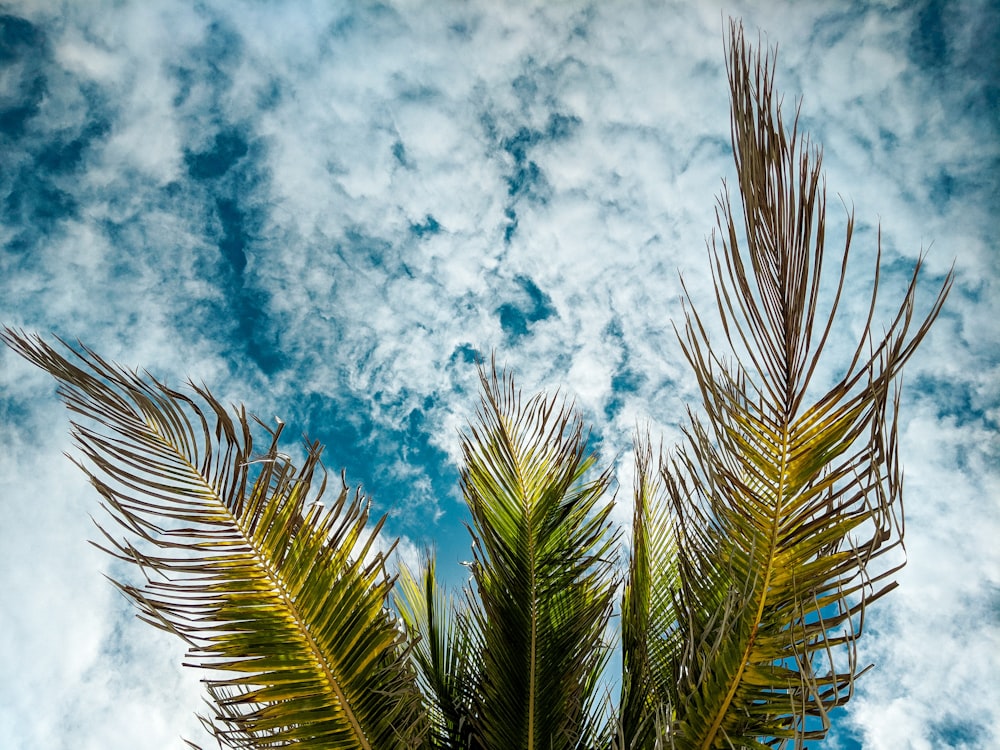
pixel 542 570
pixel 443 654
pixel 650 639
pixel 785 502
pixel 286 598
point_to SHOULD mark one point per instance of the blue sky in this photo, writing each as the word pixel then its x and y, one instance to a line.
pixel 328 210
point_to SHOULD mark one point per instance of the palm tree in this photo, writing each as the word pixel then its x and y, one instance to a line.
pixel 755 547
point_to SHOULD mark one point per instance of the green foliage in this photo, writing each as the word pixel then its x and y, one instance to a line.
pixel 754 548
pixel 542 570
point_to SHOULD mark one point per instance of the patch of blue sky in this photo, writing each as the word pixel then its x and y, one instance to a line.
pixel 950 47
pixel 24 51
pixel 428 227
pixel 14 410
pixel 526 179
pixel 229 176
pixel 65 154
pixel 234 239
pixel 382 456
pixel 626 379
pixel 929 44
pixel 258 332
pixel 624 382
pixel 36 203
pixel 528 306
pixel 957 400
pixel 467 354
pixel 958 731
pixel 225 167
pixel 40 161
pixel 399 154
pixel 228 147
pixel 842 736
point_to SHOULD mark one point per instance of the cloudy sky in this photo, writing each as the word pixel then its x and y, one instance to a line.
pixel 328 210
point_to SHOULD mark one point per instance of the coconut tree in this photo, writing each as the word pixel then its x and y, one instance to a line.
pixel 754 550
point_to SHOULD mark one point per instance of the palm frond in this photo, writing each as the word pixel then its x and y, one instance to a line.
pixel 786 502
pixel 443 654
pixel 287 599
pixel 542 571
pixel 650 638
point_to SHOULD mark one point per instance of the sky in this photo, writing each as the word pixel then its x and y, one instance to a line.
pixel 329 210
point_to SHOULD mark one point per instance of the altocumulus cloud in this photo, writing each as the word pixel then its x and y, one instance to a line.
pixel 330 213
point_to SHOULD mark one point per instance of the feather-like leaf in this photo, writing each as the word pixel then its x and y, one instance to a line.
pixel 444 656
pixel 785 504
pixel 650 637
pixel 287 598
pixel 542 570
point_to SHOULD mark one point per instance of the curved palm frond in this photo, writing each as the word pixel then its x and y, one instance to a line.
pixel 286 598
pixel 783 504
pixel 544 580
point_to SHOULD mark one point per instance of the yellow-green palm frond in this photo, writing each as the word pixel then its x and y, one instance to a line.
pixel 287 598
pixel 785 502
pixel 443 654
pixel 542 569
